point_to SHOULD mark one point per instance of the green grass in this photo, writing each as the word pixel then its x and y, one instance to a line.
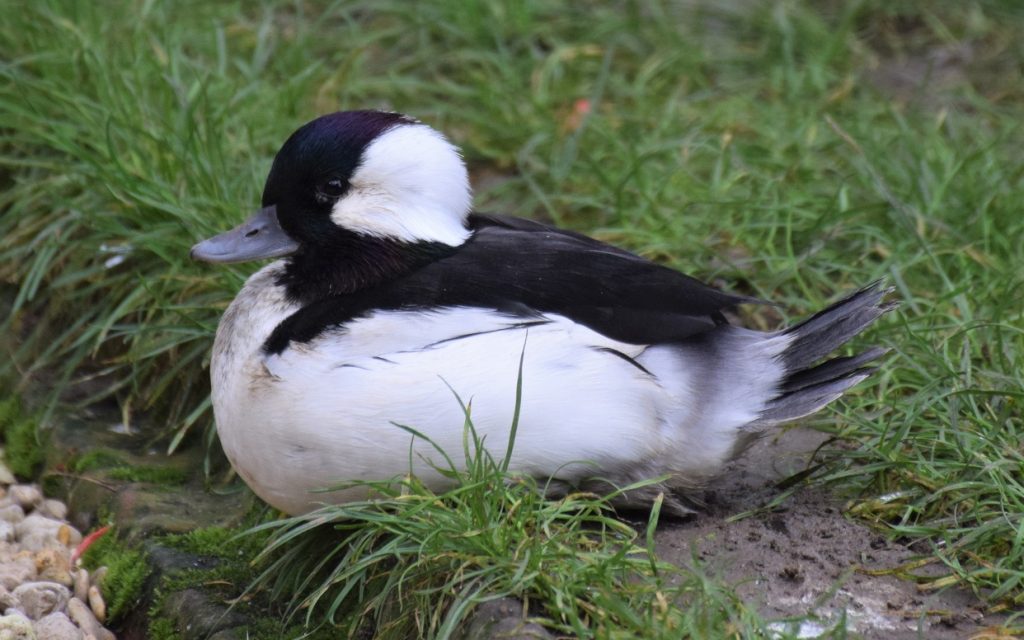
pixel 763 146
pixel 578 569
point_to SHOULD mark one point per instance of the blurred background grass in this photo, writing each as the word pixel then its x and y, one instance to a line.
pixel 792 150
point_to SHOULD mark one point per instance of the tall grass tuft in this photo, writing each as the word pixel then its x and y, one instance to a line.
pixel 415 563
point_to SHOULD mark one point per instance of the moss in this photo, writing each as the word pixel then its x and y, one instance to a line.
pixel 220 542
pixel 22 439
pixel 162 629
pixel 97 459
pixel 116 467
pixel 227 581
pixel 10 410
pixel 153 475
pixel 127 571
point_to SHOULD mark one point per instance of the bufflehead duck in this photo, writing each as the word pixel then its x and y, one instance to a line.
pixel 390 295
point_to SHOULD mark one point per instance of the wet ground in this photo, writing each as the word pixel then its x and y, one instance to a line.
pixel 805 555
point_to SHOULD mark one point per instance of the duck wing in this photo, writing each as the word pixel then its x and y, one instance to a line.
pixel 526 268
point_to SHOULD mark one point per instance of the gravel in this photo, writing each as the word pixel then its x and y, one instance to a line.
pixel 43 595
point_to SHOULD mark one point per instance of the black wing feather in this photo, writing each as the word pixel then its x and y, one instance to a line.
pixel 524 267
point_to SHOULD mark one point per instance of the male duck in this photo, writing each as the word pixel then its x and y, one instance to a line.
pixel 390 295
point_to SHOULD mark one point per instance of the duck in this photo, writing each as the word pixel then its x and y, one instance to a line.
pixel 393 313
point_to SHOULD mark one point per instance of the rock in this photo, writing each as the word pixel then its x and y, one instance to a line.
pixel 16 627
pixel 37 532
pixel 16 570
pixel 502 618
pixel 54 565
pixel 41 598
pixel 54 509
pixel 64 535
pixel 97 577
pixel 82 616
pixel 27 496
pixel 56 626
pixel 7 600
pixel 197 616
pixel 81 582
pixel 6 477
pixel 6 531
pixel 97 605
pixel 12 513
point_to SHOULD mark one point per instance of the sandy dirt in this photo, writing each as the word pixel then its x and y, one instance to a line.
pixel 805 555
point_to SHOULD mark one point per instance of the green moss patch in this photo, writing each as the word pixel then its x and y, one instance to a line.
pixel 22 438
pixel 126 573
pixel 116 466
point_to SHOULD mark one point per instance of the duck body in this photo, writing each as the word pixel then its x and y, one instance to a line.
pixel 395 309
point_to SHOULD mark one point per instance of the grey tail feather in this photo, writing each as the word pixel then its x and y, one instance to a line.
pixel 807 388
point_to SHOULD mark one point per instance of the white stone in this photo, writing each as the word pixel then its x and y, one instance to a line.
pixel 7 600
pixel 56 626
pixel 54 509
pixel 12 513
pixel 6 477
pixel 38 532
pixel 27 495
pixel 41 598
pixel 16 627
pixel 80 613
pixel 82 584
pixel 16 570
pixel 97 577
pixel 54 565
pixel 6 531
pixel 97 605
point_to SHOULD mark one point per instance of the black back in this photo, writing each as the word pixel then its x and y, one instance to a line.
pixel 525 268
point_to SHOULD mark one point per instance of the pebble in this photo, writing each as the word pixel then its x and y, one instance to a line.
pixel 56 626
pixel 36 574
pixel 86 621
pixel 6 477
pixel 7 600
pixel 38 599
pixel 27 496
pixel 82 584
pixel 16 627
pixel 15 570
pixel 54 509
pixel 54 565
pixel 12 513
pixel 38 532
pixel 96 604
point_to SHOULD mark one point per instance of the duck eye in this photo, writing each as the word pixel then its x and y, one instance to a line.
pixel 331 189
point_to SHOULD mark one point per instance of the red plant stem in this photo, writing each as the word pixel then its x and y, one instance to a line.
pixel 87 541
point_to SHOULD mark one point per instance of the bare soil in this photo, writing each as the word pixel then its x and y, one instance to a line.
pixel 806 555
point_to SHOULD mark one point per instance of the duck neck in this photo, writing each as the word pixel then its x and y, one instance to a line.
pixel 353 262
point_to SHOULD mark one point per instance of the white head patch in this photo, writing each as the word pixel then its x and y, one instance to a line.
pixel 411 185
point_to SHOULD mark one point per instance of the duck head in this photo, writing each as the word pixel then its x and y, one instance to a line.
pixel 353 198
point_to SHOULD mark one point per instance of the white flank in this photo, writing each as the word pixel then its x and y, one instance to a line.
pixel 411 185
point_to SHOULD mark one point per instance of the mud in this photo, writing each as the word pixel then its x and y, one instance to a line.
pixel 805 555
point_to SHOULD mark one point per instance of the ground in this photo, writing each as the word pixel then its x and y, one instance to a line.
pixel 806 555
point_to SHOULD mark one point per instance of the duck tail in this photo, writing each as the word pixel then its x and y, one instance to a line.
pixel 806 387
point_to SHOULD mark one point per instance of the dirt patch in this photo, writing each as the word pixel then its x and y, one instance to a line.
pixel 806 556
